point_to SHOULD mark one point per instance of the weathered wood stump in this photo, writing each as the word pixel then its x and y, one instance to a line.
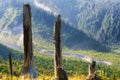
pixel 59 72
pixel 92 72
pixel 10 65
pixel 29 70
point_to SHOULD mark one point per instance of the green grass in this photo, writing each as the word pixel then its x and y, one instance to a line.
pixel 112 56
pixel 44 65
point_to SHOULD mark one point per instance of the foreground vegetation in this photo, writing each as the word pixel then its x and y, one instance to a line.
pixel 76 69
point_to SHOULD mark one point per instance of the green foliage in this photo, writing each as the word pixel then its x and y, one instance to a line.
pixel 4 50
pixel 44 65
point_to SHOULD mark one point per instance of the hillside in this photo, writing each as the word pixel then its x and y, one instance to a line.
pixel 99 19
pixel 90 31
pixel 43 22
pixel 4 51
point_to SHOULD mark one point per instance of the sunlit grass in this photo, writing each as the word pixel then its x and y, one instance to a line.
pixel 112 56
pixel 7 77
pixel 79 77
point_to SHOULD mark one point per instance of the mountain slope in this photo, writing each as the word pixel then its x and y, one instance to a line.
pixel 43 22
pixel 71 37
pixel 99 19
pixel 3 51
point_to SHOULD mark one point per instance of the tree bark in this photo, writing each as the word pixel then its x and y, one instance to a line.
pixel 10 65
pixel 92 72
pixel 59 72
pixel 92 67
pixel 57 45
pixel 29 67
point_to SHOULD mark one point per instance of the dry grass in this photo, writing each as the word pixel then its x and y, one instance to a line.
pixel 80 77
pixel 6 77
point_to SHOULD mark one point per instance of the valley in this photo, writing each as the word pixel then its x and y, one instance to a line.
pixel 51 52
pixel 90 31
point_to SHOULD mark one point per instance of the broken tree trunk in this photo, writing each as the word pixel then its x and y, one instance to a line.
pixel 92 67
pixel 10 65
pixel 92 71
pixel 57 47
pixel 59 72
pixel 29 67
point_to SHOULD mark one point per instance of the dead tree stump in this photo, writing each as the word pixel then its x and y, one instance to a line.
pixel 29 70
pixel 10 65
pixel 59 72
pixel 92 71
